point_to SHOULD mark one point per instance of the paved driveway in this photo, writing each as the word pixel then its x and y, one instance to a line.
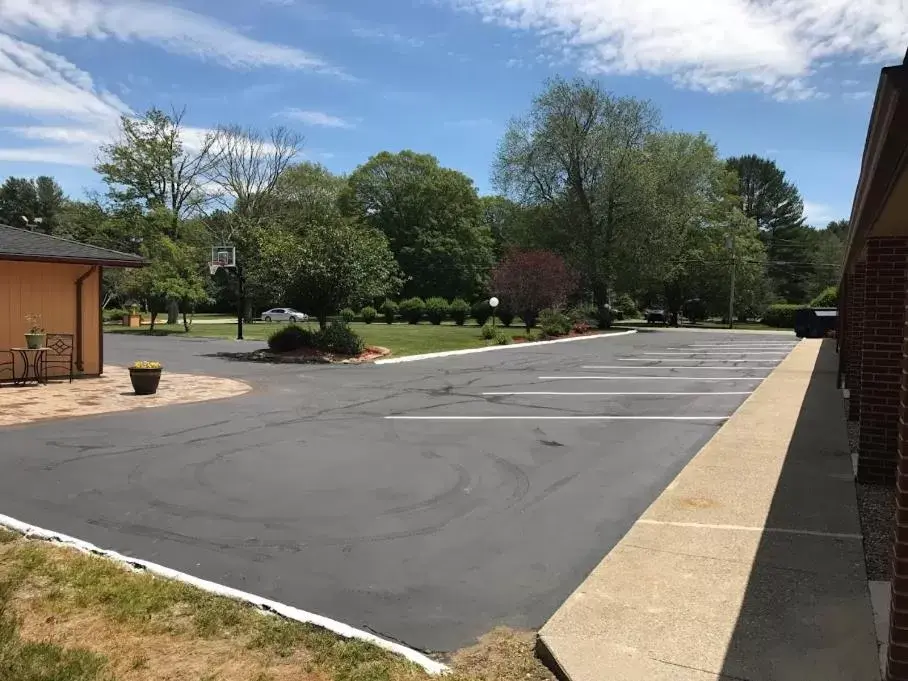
pixel 427 501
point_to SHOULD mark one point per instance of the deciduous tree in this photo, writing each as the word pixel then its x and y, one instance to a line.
pixel 528 281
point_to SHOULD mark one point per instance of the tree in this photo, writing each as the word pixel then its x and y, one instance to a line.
pixel 431 217
pixel 826 254
pixel 330 266
pixel 776 206
pixel 577 152
pixel 154 164
pixel 529 281
pixel 503 219
pixel 33 204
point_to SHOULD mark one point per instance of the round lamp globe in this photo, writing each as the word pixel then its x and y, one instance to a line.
pixel 493 302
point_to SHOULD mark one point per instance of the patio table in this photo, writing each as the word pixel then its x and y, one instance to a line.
pixel 32 361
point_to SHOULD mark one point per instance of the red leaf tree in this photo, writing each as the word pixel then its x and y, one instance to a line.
pixel 529 281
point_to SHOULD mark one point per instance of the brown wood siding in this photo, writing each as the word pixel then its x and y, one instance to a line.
pixel 49 289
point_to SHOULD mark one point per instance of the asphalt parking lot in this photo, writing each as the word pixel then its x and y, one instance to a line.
pixel 427 501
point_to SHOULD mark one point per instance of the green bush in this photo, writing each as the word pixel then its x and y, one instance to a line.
pixel 626 306
pixel 605 315
pixel 460 310
pixel 694 310
pixel 554 323
pixel 347 315
pixel 389 311
pixel 583 313
pixel 828 297
pixel 781 315
pixel 501 338
pixel 533 336
pixel 115 314
pixel 412 310
pixel 482 312
pixel 368 314
pixel 505 315
pixel 340 338
pixel 437 310
pixel 291 337
pixel 488 332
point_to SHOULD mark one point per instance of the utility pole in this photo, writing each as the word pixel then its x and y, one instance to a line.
pixel 730 244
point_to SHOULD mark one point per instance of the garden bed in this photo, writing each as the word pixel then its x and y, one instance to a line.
pixel 307 356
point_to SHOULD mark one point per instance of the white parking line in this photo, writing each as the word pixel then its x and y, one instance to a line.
pixel 711 354
pixel 651 378
pixel 674 368
pixel 712 359
pixel 695 348
pixel 565 394
pixel 557 418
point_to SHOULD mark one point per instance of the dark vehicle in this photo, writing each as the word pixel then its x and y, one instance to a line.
pixel 816 322
pixel 655 316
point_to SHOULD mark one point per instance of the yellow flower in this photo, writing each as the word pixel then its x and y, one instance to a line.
pixel 144 364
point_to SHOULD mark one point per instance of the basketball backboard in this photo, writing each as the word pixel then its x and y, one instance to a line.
pixel 222 256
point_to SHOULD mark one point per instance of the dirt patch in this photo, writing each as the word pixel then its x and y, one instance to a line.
pixel 111 392
pixel 144 628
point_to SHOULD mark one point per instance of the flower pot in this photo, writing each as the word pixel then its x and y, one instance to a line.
pixel 35 340
pixel 145 381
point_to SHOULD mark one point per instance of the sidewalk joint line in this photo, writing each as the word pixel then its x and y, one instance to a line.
pixel 745 528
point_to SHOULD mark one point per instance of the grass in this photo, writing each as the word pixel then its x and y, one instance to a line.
pixel 401 339
pixel 68 616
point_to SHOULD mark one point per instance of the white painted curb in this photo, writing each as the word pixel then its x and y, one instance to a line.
pixel 490 348
pixel 291 613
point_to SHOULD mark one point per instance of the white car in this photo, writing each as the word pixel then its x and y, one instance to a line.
pixel 283 314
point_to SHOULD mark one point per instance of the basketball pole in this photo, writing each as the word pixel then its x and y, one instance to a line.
pixel 241 304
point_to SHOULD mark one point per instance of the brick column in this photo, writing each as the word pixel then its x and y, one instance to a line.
pixel 854 337
pixel 881 358
pixel 897 664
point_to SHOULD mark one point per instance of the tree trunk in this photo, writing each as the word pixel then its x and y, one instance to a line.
pixel 173 311
pixel 154 316
pixel 322 321
pixel 187 321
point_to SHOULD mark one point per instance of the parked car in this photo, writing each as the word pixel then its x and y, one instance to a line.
pixel 816 322
pixel 284 314
pixel 655 316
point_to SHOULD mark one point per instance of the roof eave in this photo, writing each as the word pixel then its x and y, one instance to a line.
pixel 111 262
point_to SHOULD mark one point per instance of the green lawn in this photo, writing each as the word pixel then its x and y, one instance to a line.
pixel 401 339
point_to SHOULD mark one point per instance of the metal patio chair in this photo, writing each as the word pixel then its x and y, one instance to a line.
pixel 59 352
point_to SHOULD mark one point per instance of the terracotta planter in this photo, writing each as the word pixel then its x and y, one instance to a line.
pixel 133 321
pixel 35 340
pixel 145 381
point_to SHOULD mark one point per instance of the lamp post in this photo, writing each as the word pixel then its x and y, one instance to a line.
pixel 493 303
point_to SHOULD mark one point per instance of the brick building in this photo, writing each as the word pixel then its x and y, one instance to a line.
pixel 874 328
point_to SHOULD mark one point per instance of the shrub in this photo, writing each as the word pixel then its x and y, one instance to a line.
pixel 554 323
pixel 347 315
pixel 781 315
pixel 115 314
pixel 584 313
pixel 412 310
pixel 532 280
pixel 828 297
pixel 626 306
pixel 694 309
pixel 581 327
pixel 369 314
pixel 501 338
pixel 505 314
pixel 389 311
pixel 437 310
pixel 291 337
pixel 460 310
pixel 533 336
pixel 340 338
pixel 482 312
pixel 488 332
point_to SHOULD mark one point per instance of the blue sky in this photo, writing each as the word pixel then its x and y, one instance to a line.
pixel 789 79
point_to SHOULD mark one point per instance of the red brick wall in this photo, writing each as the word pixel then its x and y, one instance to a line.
pixel 881 357
pixel 854 337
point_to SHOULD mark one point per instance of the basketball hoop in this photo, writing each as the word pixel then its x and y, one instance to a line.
pixel 213 267
pixel 222 257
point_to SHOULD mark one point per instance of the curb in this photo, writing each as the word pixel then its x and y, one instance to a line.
pixel 431 666
pixel 490 348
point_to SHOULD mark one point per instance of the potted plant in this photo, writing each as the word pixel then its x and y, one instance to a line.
pixel 133 319
pixel 34 337
pixel 145 377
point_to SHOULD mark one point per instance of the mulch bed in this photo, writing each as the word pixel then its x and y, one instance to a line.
pixel 307 356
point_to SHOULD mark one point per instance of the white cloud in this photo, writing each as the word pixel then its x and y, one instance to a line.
pixel 317 118
pixel 172 28
pixel 773 46
pixel 861 94
pixel 818 214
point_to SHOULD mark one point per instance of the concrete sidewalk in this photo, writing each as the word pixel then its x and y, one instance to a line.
pixel 749 566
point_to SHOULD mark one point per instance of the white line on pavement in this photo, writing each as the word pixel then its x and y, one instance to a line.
pixel 651 378
pixel 711 359
pixel 557 418
pixel 685 368
pixel 566 394
pixel 711 354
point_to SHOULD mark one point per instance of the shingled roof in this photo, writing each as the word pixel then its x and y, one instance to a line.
pixel 21 244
